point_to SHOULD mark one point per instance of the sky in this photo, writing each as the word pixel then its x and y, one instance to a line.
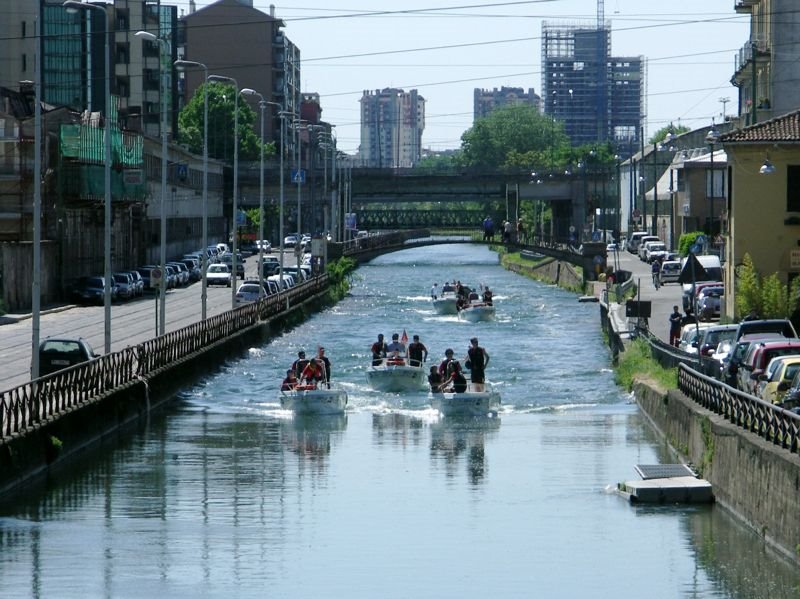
pixel 447 48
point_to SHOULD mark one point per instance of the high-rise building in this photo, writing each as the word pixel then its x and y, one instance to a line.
pixel 598 97
pixel 392 122
pixel 235 40
pixel 487 100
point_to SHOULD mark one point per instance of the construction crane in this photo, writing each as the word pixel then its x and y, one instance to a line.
pixel 601 13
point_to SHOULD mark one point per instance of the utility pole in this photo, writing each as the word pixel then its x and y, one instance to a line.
pixel 724 102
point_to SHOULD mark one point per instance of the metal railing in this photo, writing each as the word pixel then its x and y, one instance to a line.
pixel 770 422
pixel 31 404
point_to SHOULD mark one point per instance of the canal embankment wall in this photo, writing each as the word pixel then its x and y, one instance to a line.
pixel 57 441
pixel 752 478
pixel 548 270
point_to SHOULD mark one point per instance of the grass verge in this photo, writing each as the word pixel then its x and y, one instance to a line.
pixel 637 363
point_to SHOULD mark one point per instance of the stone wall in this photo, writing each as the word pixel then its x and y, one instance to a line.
pixel 757 481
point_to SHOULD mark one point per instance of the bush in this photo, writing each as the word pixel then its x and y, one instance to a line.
pixel 637 362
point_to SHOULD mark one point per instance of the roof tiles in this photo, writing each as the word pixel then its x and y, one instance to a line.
pixel 785 129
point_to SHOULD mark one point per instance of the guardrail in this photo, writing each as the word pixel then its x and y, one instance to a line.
pixel 28 406
pixel 768 421
pixel 775 425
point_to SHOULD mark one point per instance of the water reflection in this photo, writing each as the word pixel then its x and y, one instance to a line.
pixel 398 428
pixel 310 437
pixel 453 439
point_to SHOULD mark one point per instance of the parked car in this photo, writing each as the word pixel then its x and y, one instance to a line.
pixel 781 326
pixel 126 289
pixel 138 282
pixel 218 274
pixel 690 292
pixel 57 354
pixel 643 246
pixel 89 290
pixel 690 335
pixel 288 281
pixel 227 259
pixel 171 276
pixel 290 241
pixel 654 250
pixel 708 302
pixel 778 377
pixel 670 271
pixel 193 266
pixel 299 276
pixel 146 273
pixel 712 336
pixel 737 353
pixel 247 293
pixel 757 358
pixel 263 244
pixel 182 273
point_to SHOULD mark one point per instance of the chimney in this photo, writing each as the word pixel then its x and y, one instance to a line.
pixel 272 10
pixel 192 7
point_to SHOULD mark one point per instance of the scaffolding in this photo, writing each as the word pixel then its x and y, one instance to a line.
pixel 598 97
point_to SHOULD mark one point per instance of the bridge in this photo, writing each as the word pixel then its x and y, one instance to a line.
pixel 394 198
pixel 591 257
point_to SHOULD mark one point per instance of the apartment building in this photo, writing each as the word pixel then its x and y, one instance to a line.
pixel 392 122
pixel 487 100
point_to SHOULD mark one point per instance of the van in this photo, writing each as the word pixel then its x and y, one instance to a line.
pixel 633 241
pixel 713 268
pixel 643 241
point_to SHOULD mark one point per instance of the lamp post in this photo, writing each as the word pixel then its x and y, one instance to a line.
pixel 163 253
pixel 284 115
pixel 711 138
pixel 74 6
pixel 297 124
pixel 656 148
pixel 262 104
pixel 186 64
pixel 234 230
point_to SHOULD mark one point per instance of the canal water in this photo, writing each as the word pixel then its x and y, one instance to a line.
pixel 226 495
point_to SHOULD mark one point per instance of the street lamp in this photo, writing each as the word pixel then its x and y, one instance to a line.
pixel 73 6
pixel 188 64
pixel 164 47
pixel 283 115
pixel 262 104
pixel 711 138
pixel 297 125
pixel 226 79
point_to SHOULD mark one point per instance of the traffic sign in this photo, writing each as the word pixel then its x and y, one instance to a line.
pixel 156 277
pixel 700 240
pixel 298 176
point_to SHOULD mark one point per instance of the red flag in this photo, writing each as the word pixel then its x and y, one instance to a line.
pixel 404 338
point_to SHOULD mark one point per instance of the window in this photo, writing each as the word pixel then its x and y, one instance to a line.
pixel 792 188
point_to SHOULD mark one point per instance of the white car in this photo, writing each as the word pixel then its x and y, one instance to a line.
pixel 670 271
pixel 218 274
pixel 263 244
pixel 290 241
pixel 247 294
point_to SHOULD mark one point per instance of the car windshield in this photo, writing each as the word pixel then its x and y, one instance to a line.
pixel 248 289
pixel 217 268
pixel 61 346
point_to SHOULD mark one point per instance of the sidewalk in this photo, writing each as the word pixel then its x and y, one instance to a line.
pixel 10 317
pixel 661 300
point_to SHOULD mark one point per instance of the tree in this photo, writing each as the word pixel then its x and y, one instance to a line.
pixel 748 287
pixel 661 134
pixel 515 136
pixel 221 106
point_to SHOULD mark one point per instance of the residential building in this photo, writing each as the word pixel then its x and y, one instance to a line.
pixel 235 40
pixel 598 97
pixel 767 67
pixel 392 122
pixel 764 200
pixel 487 100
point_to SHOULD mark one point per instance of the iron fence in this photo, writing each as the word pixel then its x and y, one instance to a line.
pixel 32 404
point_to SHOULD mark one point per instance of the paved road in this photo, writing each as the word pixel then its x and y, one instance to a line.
pixel 132 322
pixel 662 300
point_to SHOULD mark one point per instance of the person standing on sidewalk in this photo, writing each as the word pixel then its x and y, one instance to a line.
pixel 675 323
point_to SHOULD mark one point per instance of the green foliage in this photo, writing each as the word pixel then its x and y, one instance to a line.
pixel 774 298
pixel 636 362
pixel 440 163
pixel 221 104
pixel 515 136
pixel 340 273
pixel 661 134
pixel 686 241
pixel 748 287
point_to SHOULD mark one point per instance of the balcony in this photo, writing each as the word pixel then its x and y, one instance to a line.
pixel 754 49
pixel 745 6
